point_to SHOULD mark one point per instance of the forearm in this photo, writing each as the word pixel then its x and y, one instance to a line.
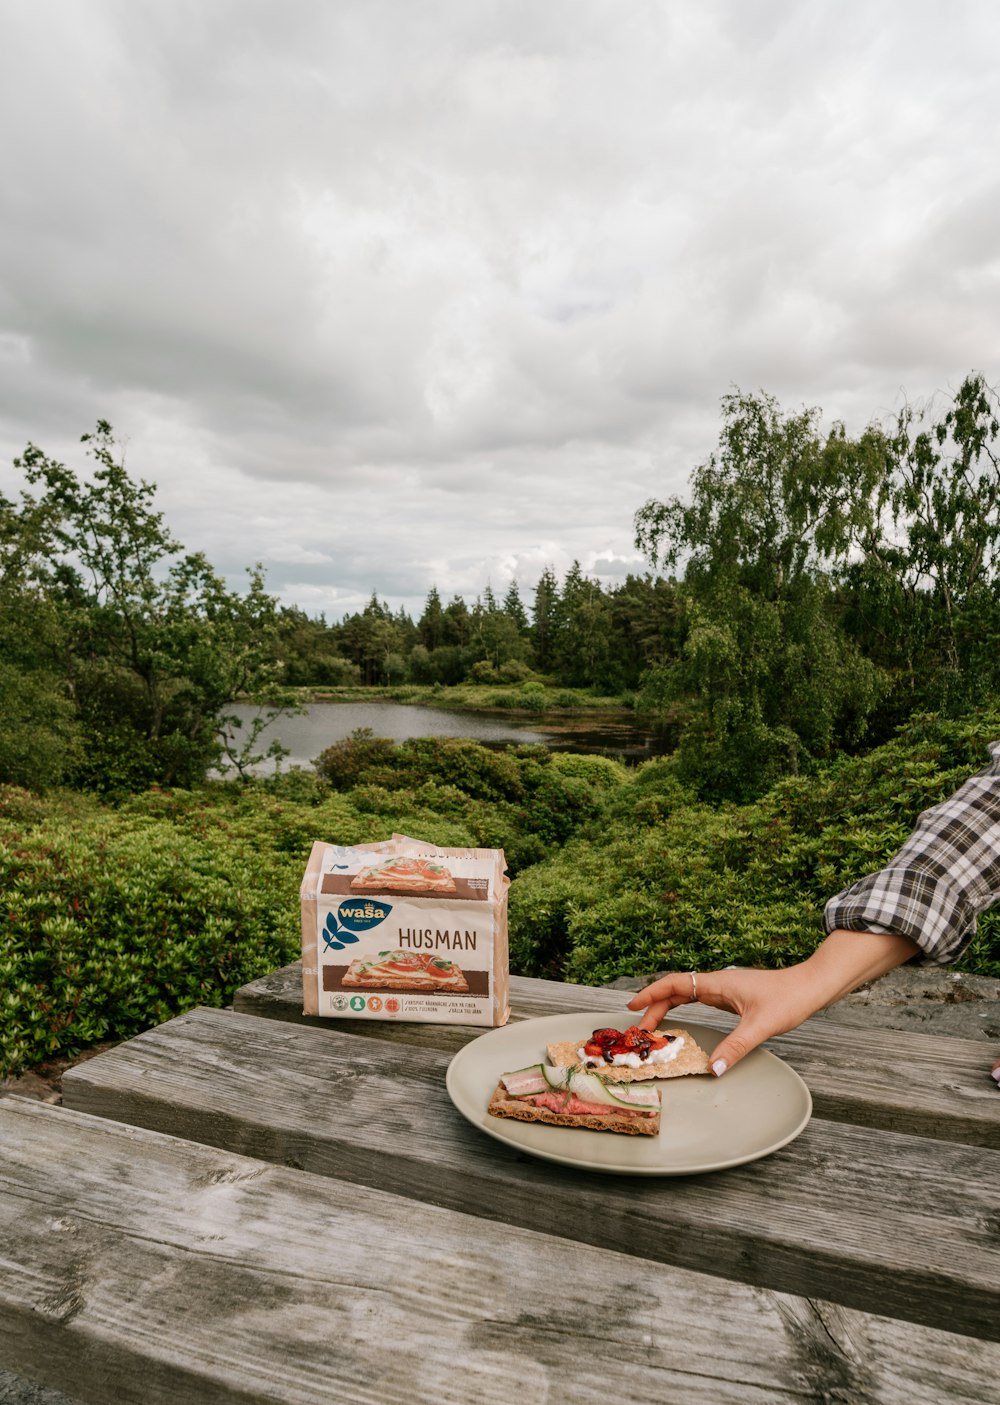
pixel 845 960
pixel 944 876
pixel 771 1002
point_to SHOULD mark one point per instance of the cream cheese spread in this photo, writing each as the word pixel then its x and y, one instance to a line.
pixel 656 1056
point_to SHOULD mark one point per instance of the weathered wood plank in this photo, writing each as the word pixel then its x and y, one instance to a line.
pixel 152 1270
pixel 865 1218
pixel 921 1084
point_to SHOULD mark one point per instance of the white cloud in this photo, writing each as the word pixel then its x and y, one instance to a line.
pixel 390 296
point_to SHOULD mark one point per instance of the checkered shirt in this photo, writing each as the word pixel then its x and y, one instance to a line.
pixel 946 873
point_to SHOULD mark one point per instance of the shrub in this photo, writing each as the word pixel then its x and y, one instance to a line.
pixel 510 702
pixel 538 919
pixel 121 924
pixel 601 773
pixel 514 671
pixel 116 919
pixel 345 762
pixel 39 737
pixel 694 885
pixel 474 769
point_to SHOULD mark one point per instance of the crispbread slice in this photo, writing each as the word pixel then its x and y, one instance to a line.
pixel 691 1059
pixel 452 978
pixel 521 1110
pixel 371 980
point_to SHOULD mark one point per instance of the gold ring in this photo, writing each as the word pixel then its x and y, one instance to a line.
pixel 694 985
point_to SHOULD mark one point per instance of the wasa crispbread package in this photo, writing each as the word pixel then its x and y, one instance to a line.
pixel 405 930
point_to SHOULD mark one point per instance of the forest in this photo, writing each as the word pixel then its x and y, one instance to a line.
pixel 808 594
pixel 818 632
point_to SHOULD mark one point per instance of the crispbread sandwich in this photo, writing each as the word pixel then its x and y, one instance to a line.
pixel 568 1097
pixel 633 1055
pixel 405 970
pixel 407 874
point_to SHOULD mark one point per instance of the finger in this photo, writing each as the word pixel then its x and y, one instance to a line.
pixel 655 1013
pixel 674 989
pixel 996 1072
pixel 736 1045
pixel 656 999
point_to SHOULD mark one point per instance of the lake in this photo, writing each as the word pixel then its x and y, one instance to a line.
pixel 324 723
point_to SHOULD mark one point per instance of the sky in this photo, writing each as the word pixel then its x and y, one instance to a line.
pixel 389 295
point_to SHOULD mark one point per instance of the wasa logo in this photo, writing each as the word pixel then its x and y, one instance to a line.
pixel 353 916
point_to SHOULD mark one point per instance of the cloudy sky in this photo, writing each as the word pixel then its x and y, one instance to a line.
pixel 387 295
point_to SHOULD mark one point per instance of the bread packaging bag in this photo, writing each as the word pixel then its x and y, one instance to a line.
pixel 405 930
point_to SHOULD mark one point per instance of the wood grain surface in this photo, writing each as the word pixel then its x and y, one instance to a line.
pixel 142 1269
pixel 917 1083
pixel 865 1218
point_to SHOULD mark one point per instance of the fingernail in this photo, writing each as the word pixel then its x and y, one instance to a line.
pixel 719 1067
pixel 996 1074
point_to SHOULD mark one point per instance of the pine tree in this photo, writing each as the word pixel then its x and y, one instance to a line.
pixel 545 623
pixel 431 622
pixel 512 606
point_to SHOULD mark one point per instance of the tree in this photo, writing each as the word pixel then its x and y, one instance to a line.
pixel 153 644
pixel 765 669
pixel 645 626
pixel 494 636
pixel 455 626
pixel 925 583
pixel 370 639
pixel 39 732
pixel 309 652
pixel 545 618
pixel 581 646
pixel 431 623
pixel 514 608
pixel 775 504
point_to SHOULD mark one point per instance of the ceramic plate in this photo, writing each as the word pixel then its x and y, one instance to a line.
pixel 707 1123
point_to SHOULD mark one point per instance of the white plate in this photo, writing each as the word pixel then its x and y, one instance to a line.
pixel 707 1123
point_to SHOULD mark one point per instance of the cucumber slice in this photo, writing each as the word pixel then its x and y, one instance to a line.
pixel 556 1077
pixel 634 1094
pixel 591 1089
pixel 524 1082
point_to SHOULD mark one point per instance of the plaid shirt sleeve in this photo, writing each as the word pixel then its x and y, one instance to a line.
pixel 946 873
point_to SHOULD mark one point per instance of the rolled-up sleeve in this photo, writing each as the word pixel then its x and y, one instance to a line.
pixel 943 877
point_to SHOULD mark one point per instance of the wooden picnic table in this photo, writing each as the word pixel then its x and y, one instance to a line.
pixel 247 1205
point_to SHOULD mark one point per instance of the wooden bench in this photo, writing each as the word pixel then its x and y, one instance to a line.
pixel 856 1215
pixel 917 1083
pixel 137 1267
pixel 247 1206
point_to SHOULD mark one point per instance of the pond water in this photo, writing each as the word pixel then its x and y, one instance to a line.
pixel 324 723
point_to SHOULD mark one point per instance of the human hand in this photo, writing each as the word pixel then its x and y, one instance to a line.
pixel 768 1002
pixel 771 1002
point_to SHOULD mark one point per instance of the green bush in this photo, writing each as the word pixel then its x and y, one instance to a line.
pixel 345 762
pixel 601 773
pixel 515 671
pixel 116 919
pixel 669 883
pixel 39 736
pixel 478 771
pixel 505 702
pixel 122 923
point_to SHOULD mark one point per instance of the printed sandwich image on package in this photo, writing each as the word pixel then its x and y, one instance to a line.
pixel 405 930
